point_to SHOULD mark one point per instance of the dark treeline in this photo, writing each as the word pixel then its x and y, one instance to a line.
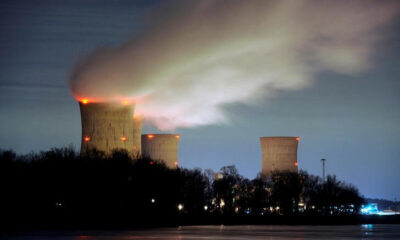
pixel 61 185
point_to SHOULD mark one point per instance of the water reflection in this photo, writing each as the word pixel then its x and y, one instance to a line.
pixel 221 232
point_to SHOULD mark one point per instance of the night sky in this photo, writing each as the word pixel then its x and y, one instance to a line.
pixel 351 119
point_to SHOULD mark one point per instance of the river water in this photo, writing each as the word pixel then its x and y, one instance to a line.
pixel 252 232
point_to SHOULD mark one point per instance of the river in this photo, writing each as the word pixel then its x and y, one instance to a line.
pixel 221 232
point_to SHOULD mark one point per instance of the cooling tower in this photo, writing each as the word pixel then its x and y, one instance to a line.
pixel 107 126
pixel 137 135
pixel 279 154
pixel 163 147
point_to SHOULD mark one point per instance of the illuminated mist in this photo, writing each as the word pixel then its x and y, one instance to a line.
pixel 197 56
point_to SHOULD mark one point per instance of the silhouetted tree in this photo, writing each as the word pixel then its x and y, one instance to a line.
pixel 286 190
pixel 225 189
pixel 61 185
pixel 260 197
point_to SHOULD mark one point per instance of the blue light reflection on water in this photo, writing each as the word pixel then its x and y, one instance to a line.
pixel 252 232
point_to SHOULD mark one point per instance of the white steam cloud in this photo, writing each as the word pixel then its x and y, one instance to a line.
pixel 197 56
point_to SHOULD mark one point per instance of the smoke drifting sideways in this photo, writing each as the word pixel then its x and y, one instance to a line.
pixel 197 56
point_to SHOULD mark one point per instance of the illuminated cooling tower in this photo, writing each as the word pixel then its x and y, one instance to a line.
pixel 279 154
pixel 106 126
pixel 163 147
pixel 137 135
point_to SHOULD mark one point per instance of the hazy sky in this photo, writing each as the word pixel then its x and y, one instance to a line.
pixel 335 82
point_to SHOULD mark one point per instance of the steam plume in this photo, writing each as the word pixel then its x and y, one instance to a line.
pixel 197 56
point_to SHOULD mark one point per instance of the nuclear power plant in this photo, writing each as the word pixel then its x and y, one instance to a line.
pixel 279 154
pixel 163 147
pixel 107 126
pixel 111 126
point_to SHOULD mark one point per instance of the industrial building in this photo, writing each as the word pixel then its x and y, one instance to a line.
pixel 107 126
pixel 279 154
pixel 162 147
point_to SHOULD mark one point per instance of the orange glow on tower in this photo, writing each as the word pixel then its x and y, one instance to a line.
pixel 296 163
pixel 297 139
pixel 177 136
pixel 163 147
pixel 85 101
pixel 123 138
pixel 87 139
pixel 125 102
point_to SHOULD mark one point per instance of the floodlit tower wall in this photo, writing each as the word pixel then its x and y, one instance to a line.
pixel 137 135
pixel 107 126
pixel 279 154
pixel 163 147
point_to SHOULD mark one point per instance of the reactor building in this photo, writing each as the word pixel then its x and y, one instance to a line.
pixel 279 154
pixel 107 126
pixel 162 147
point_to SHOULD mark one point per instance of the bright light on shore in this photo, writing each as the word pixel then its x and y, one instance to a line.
pixel 222 203
pixel 180 207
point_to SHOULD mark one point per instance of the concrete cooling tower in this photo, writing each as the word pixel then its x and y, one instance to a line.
pixel 107 126
pixel 137 135
pixel 163 147
pixel 279 154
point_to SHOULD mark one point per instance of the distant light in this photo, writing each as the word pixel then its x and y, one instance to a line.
pixel 205 207
pixel 180 207
pixel 370 209
pixel 123 138
pixel 222 203
pixel 177 136
pixel 125 102
pixel 87 139
pixel 296 163
pixel 176 163
pixel 134 147
pixel 85 101
pixel 386 213
pixel 297 139
pixel 150 136
pixel 151 162
pixel 153 200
